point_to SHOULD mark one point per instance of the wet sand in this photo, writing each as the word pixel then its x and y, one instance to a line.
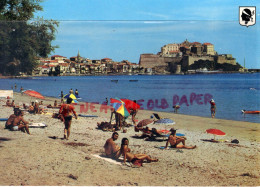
pixel 44 158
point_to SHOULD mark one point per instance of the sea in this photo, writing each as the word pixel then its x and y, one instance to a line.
pixel 231 92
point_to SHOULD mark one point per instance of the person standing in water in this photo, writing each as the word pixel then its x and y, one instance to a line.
pixel 212 108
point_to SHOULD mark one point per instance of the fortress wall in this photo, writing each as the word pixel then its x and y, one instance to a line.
pixel 189 60
pixel 151 60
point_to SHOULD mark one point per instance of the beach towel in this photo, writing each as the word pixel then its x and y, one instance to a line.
pixel 177 134
pixel 163 147
pixel 109 159
pixel 3 119
pixel 88 116
pixel 47 113
pixel 37 125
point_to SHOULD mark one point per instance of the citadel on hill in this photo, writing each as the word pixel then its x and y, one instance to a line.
pixel 185 57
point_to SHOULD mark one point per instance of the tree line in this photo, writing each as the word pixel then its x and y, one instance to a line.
pixel 23 37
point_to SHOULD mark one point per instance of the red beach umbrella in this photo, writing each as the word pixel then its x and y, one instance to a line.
pixel 215 132
pixel 130 105
pixel 33 93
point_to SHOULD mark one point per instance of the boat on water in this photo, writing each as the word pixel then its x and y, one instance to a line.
pixel 133 80
pixel 114 81
pixel 206 71
pixel 250 111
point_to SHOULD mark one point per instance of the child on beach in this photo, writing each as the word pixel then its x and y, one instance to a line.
pixel 66 111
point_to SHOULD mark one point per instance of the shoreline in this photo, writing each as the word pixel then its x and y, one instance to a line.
pixel 53 98
pixel 142 113
pixel 119 74
pixel 44 158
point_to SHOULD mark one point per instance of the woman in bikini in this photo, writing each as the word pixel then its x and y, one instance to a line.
pixel 66 111
pixel 125 151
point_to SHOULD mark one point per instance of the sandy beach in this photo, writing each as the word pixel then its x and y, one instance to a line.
pixel 44 158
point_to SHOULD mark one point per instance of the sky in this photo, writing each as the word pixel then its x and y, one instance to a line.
pixel 124 29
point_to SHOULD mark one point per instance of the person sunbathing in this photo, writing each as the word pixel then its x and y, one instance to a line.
pixel 18 123
pixel 175 140
pixel 112 150
pixel 126 153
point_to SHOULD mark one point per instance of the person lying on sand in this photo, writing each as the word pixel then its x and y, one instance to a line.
pixel 112 150
pixel 175 140
pixel 126 153
pixel 17 122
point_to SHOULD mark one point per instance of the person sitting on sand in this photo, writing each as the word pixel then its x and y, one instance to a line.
pixel 31 108
pixel 126 153
pixel 112 150
pixel 175 140
pixel 11 118
pixel 25 105
pixel 66 111
pixel 36 108
pixel 9 103
pixel 18 122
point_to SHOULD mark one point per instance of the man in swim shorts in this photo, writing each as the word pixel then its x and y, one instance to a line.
pixel 66 111
pixel 112 150
pixel 175 140
pixel 18 123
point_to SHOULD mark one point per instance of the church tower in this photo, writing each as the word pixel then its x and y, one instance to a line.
pixel 78 57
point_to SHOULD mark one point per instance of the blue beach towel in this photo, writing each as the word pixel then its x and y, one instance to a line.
pixel 3 119
pixel 177 134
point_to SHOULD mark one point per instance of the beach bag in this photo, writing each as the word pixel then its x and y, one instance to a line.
pixel 235 141
pixel 137 162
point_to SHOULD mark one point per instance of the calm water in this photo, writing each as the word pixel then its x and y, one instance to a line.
pixel 231 92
